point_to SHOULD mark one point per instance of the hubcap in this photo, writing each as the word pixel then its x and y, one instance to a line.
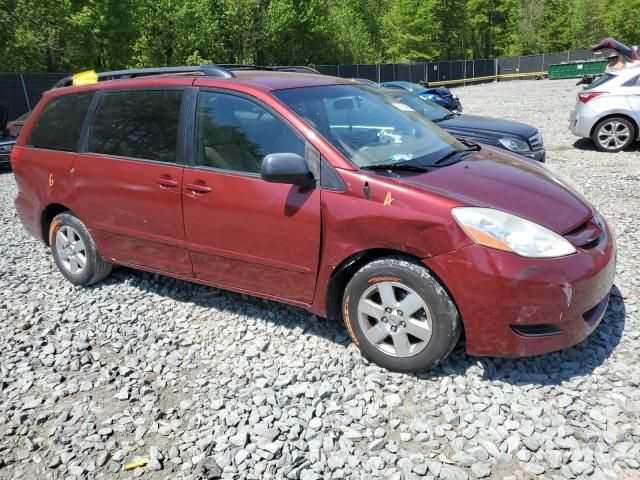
pixel 613 135
pixel 395 319
pixel 71 250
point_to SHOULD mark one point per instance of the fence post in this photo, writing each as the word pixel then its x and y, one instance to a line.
pixel 24 89
pixel 496 68
pixel 378 71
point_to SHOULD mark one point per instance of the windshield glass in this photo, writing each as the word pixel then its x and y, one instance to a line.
pixel 601 81
pixel 369 127
pixel 421 105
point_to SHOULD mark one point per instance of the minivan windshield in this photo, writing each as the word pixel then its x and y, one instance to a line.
pixel 370 128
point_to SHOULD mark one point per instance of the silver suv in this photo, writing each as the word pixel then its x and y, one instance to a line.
pixel 608 111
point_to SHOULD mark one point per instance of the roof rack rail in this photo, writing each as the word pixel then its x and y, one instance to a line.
pixel 209 70
pixel 296 69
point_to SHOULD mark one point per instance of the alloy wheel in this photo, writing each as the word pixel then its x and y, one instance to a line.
pixel 71 250
pixel 395 319
pixel 613 135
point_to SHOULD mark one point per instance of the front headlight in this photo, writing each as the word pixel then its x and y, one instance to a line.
pixel 515 145
pixel 506 232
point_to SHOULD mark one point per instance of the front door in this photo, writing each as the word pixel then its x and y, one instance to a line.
pixel 241 231
pixel 128 180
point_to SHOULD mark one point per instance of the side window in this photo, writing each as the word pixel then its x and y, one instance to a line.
pixel 60 123
pixel 137 124
pixel 235 134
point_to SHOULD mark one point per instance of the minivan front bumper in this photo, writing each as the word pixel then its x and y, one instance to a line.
pixel 514 306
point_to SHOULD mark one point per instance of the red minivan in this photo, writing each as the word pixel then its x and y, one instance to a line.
pixel 321 193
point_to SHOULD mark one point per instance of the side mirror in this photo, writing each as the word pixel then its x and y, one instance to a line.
pixel 287 168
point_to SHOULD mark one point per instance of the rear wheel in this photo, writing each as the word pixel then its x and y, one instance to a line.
pixel 74 251
pixel 399 315
pixel 614 134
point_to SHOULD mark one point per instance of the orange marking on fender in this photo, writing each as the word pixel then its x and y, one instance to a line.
pixel 388 200
pixel 53 230
pixel 51 182
pixel 347 322
pixel 384 279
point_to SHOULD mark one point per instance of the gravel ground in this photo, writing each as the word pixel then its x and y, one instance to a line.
pixel 203 383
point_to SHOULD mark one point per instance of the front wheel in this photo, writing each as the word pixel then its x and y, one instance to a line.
pixel 614 134
pixel 75 252
pixel 399 315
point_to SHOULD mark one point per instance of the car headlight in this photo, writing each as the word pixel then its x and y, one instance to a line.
pixel 509 233
pixel 515 145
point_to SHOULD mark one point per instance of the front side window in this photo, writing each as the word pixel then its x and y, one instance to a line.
pixel 137 124
pixel 233 133
pixel 368 127
pixel 60 124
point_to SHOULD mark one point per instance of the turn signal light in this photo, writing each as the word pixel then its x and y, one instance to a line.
pixel 586 97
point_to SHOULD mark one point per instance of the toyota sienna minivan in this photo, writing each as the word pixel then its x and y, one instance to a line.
pixel 317 192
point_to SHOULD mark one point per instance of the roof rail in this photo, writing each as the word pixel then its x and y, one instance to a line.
pixel 296 69
pixel 209 70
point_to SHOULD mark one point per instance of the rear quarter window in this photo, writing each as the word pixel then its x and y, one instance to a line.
pixel 60 124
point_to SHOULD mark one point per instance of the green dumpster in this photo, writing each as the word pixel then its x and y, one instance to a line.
pixel 577 70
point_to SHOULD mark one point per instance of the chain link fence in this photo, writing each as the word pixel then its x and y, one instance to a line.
pixel 19 92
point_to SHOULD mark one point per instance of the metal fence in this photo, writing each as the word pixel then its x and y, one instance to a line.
pixel 21 91
pixel 456 69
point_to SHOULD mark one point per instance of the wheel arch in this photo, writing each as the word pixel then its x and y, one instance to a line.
pixel 348 267
pixel 47 216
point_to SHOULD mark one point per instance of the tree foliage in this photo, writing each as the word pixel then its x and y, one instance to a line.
pixel 71 35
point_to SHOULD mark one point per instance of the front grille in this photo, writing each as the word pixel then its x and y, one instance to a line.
pixel 537 330
pixel 536 142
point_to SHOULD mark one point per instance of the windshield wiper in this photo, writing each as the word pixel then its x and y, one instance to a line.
pixel 474 148
pixel 396 167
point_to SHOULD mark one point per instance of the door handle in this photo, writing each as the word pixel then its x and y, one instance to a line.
pixel 192 187
pixel 166 182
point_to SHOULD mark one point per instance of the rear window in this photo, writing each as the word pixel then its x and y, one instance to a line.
pixel 137 124
pixel 601 81
pixel 60 124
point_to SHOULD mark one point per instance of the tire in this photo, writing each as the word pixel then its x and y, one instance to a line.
pixel 430 322
pixel 75 252
pixel 614 134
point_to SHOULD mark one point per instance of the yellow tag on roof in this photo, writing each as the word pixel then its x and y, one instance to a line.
pixel 84 78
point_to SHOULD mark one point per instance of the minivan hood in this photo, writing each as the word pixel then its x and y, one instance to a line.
pixel 491 178
pixel 494 127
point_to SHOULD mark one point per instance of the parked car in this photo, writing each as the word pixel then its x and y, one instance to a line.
pixel 367 82
pixel 317 192
pixel 6 141
pixel 16 125
pixel 608 111
pixel 516 137
pixel 439 95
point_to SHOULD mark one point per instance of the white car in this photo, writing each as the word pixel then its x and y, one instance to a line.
pixel 608 111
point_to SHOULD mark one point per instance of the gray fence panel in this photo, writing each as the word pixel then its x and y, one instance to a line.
pixel 418 72
pixel 387 72
pixel 581 55
pixel 532 63
pixel 370 72
pixel 433 74
pixel 555 58
pixel 38 83
pixel 457 70
pixel 331 70
pixel 468 69
pixel 12 95
pixel 348 71
pixel 507 65
pixel 444 71
pixel 403 72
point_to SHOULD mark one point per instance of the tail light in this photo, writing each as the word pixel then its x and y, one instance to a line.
pixel 586 97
